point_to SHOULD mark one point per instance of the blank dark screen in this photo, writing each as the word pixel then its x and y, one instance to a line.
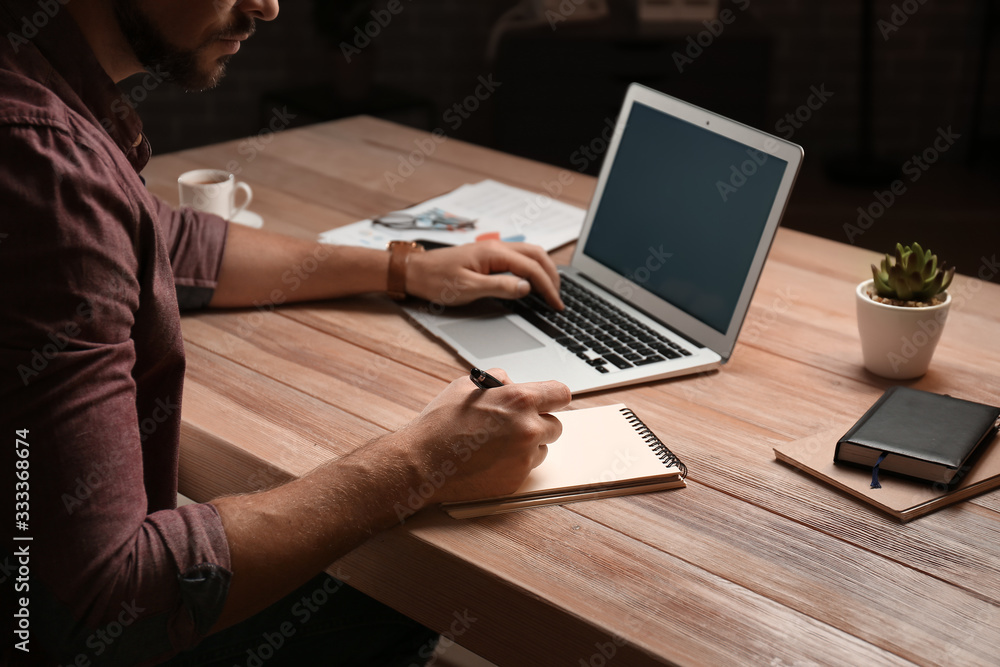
pixel 677 220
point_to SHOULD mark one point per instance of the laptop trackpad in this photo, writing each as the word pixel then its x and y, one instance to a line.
pixel 490 336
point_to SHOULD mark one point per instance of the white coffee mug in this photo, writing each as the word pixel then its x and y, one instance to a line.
pixel 213 191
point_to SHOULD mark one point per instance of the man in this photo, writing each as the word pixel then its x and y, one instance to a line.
pixel 99 566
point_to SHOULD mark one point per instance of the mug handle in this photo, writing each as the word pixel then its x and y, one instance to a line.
pixel 248 197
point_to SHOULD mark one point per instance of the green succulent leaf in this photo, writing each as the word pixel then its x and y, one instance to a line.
pixel 902 255
pixel 948 275
pixel 881 281
pixel 911 273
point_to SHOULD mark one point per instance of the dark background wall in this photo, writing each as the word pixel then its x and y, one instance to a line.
pixel 924 72
pixel 557 81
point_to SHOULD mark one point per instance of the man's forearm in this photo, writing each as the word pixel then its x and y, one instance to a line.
pixel 262 267
pixel 265 268
pixel 280 538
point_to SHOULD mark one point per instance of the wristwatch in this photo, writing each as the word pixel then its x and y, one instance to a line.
pixel 399 255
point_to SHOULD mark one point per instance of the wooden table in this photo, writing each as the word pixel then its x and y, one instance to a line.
pixel 753 563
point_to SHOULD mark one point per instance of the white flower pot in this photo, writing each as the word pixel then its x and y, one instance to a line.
pixel 898 342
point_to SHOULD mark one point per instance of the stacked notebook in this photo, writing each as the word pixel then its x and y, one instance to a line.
pixel 931 450
pixel 603 452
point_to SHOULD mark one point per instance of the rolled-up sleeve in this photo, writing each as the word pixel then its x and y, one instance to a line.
pixel 91 367
pixel 195 242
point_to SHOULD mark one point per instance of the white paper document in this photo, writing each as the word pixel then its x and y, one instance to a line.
pixel 501 212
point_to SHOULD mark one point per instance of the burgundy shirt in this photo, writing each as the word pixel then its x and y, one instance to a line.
pixel 92 267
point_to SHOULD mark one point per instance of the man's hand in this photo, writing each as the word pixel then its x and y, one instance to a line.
pixel 458 275
pixel 469 443
pixel 264 267
pixel 482 443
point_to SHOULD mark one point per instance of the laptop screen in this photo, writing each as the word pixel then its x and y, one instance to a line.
pixel 692 235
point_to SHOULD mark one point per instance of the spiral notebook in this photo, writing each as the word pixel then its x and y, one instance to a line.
pixel 603 452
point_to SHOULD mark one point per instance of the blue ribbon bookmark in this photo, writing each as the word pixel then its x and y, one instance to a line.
pixel 875 482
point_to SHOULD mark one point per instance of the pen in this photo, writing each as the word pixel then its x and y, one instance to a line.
pixel 484 380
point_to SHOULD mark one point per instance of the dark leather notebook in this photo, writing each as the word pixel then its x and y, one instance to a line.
pixel 919 434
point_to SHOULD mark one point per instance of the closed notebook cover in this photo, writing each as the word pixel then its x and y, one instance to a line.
pixel 904 498
pixel 922 425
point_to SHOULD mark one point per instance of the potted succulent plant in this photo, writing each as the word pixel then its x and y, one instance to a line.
pixel 902 311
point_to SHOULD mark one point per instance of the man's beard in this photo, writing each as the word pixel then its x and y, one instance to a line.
pixel 176 64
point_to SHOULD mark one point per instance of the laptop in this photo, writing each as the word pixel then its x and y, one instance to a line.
pixel 674 241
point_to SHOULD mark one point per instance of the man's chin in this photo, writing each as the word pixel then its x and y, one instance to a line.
pixel 206 76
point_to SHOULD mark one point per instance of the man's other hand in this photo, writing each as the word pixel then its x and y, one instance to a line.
pixel 458 275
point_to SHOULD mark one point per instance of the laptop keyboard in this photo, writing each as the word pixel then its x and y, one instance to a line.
pixel 598 332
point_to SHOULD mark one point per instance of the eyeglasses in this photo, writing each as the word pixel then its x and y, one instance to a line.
pixel 435 218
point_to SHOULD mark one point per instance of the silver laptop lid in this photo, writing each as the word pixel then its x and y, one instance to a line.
pixel 690 247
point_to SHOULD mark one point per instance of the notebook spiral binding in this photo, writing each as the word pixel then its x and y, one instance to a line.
pixel 661 450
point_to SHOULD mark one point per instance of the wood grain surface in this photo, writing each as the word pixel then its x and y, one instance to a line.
pixel 753 563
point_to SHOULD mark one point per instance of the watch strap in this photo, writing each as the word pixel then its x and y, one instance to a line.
pixel 399 255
